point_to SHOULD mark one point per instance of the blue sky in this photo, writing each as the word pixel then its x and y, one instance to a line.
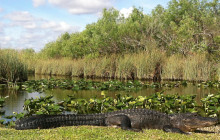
pixel 33 23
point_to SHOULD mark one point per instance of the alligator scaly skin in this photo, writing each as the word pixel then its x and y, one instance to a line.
pixel 52 121
pixel 129 119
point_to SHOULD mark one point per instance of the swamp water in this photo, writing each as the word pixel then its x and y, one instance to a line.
pixel 15 100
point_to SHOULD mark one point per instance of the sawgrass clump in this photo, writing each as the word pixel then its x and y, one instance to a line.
pixel 197 68
pixel 143 65
pixel 173 68
pixel 12 69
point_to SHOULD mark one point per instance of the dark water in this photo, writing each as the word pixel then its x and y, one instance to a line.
pixel 15 101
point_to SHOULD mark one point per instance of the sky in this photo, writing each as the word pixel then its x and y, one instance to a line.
pixel 33 23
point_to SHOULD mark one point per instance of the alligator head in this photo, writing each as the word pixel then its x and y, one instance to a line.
pixel 189 122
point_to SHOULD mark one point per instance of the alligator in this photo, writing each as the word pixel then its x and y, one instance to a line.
pixel 129 119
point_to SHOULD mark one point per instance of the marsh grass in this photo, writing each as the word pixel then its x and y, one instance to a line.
pixel 139 66
pixel 195 67
pixel 12 69
pixel 78 68
pixel 173 68
pixel 104 67
pixel 125 68
pixel 29 59
pixel 90 67
pixel 54 67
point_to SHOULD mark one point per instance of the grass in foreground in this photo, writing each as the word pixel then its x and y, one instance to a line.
pixel 93 132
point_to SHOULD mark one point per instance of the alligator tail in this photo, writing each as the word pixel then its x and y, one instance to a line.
pixel 52 121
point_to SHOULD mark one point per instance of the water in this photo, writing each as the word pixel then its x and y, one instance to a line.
pixel 15 101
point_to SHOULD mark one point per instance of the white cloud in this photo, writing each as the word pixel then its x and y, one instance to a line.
pixel 78 6
pixel 23 19
pixel 1 9
pixel 5 38
pixel 24 30
pixel 22 16
pixel 126 12
pixel 60 26
pixel 37 3
pixel 1 27
pixel 5 41
pixel 49 24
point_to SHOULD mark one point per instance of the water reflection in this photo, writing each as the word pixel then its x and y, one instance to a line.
pixel 16 99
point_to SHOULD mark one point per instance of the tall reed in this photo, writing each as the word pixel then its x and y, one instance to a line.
pixel 54 67
pixel 78 68
pixel 11 67
pixel 196 67
pixel 125 67
pixel 173 68
pixel 133 66
pixel 105 67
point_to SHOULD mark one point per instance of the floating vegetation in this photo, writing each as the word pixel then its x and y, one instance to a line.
pixel 215 84
pixel 41 85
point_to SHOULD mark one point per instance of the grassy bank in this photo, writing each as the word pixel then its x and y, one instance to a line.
pixel 145 65
pixel 93 132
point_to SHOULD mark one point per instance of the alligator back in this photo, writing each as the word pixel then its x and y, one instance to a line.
pixel 135 118
pixel 142 118
pixel 52 121
pixel 130 119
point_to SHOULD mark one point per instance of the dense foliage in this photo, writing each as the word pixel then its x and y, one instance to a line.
pixel 185 27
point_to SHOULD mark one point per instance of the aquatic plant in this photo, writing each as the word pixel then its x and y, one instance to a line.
pixel 212 84
pixel 42 105
pixel 113 85
pixel 211 104
pixel 43 84
pixel 157 101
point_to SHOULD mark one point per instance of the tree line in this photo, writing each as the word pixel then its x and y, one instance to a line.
pixel 184 27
